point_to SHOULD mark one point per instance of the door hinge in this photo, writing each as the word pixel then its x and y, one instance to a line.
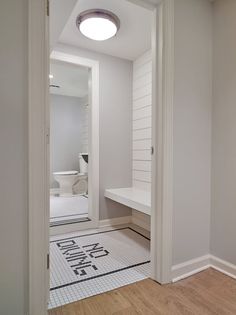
pixel 48 261
pixel 47 7
pixel 48 136
pixel 152 150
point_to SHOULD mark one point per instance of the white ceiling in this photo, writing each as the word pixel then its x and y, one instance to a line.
pixel 133 38
pixel 60 11
pixel 73 80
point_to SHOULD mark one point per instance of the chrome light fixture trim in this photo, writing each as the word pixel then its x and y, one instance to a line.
pixel 98 14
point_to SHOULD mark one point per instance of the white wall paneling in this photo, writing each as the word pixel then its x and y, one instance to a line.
pixel 141 134
pixel 142 165
pixel 85 126
pixel 142 102
pixel 141 155
pixel 142 145
pixel 142 121
pixel 142 176
pixel 143 112
pixel 141 219
pixel 142 185
pixel 141 69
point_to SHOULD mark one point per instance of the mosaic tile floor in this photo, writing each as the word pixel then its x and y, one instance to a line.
pixel 86 265
pixel 63 209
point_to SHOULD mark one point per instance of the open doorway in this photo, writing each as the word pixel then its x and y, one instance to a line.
pixel 160 271
pixel 69 124
pixel 74 145
pixel 117 252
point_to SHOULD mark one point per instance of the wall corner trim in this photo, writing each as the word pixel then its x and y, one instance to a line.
pixel 140 219
pixel 190 267
pixel 223 266
pixel 193 266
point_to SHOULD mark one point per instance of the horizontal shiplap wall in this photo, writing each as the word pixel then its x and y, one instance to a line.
pixel 85 125
pixel 85 130
pixel 142 121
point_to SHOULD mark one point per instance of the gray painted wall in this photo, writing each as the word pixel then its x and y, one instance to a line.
pixel 66 119
pixel 115 126
pixel 13 157
pixel 192 129
pixel 223 218
pixel 191 159
pixel 115 148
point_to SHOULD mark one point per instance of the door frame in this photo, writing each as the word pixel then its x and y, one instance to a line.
pixel 162 139
pixel 162 136
pixel 38 146
pixel 38 152
pixel 93 147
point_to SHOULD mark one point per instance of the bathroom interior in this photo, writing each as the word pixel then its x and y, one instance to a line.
pixel 88 259
pixel 69 144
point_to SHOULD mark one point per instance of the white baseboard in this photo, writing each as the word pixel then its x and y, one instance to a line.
pixel 142 220
pixel 223 266
pixel 191 267
pixel 54 191
pixel 115 221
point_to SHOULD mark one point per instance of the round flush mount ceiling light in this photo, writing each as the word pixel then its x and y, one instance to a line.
pixel 98 24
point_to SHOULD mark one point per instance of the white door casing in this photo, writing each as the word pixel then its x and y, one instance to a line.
pixel 93 141
pixel 38 127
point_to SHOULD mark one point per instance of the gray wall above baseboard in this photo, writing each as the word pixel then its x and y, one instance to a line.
pixel 192 129
pixel 14 157
pixel 67 115
pixel 223 212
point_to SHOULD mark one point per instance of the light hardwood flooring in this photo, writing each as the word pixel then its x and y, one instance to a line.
pixel 208 292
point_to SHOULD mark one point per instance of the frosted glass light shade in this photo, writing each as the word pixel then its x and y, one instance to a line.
pixel 98 24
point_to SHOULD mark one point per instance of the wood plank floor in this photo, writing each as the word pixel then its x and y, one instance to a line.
pixel 208 292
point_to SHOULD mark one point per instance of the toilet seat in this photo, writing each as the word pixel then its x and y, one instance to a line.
pixel 66 173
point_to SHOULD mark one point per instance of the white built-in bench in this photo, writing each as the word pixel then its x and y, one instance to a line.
pixel 132 197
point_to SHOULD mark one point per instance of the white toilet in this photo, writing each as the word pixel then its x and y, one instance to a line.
pixel 73 181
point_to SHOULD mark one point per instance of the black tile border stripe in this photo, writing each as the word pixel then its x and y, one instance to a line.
pixel 67 222
pixel 98 276
pixel 147 238
pixel 68 215
pixel 102 232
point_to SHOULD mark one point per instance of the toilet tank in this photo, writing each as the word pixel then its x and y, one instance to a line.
pixel 83 162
